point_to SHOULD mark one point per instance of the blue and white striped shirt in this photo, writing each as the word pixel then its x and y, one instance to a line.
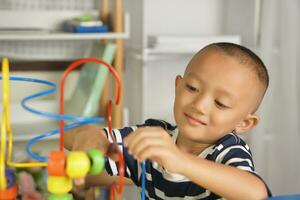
pixel 160 184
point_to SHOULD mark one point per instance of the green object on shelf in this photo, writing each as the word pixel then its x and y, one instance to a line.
pixel 85 99
pixel 60 197
pixel 85 18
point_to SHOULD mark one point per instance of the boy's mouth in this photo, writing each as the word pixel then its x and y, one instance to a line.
pixel 193 121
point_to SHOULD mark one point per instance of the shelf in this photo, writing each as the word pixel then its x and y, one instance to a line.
pixel 44 35
pixel 164 45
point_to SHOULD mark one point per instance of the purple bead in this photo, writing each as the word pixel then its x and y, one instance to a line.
pixel 10 178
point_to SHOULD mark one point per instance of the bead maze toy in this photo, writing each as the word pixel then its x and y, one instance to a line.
pixel 61 168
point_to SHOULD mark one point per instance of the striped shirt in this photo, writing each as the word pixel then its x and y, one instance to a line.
pixel 160 184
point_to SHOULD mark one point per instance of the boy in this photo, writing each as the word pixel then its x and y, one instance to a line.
pixel 202 157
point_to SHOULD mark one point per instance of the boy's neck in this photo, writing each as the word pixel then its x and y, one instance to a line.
pixel 189 146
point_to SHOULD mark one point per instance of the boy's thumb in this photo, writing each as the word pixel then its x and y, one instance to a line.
pixel 112 151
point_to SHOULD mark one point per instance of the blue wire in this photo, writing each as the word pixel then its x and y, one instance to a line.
pixel 143 180
pixel 51 133
pixel 81 120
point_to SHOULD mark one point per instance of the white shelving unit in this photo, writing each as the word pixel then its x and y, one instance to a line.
pixel 35 34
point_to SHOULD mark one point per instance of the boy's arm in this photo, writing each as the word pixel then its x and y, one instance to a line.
pixel 229 182
pixel 226 181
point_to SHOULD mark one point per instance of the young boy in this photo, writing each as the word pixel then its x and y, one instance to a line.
pixel 202 157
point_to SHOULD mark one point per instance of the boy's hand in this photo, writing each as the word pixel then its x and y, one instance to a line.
pixel 156 144
pixel 91 136
pixel 87 137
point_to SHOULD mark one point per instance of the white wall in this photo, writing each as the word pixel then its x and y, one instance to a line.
pixel 177 17
pixel 148 18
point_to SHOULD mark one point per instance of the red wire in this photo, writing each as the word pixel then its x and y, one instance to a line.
pixel 109 120
pixel 112 192
pixel 120 155
pixel 71 67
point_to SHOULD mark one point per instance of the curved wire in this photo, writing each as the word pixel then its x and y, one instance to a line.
pixel 47 92
pixel 71 67
pixel 24 102
pixel 117 100
pixel 120 155
pixel 48 134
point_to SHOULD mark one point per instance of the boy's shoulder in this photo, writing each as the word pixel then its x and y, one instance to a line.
pixel 230 139
pixel 228 147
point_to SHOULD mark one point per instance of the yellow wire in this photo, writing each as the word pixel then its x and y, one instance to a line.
pixel 6 128
pixel 5 78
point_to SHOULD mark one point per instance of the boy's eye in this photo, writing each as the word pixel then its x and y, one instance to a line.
pixel 220 105
pixel 191 88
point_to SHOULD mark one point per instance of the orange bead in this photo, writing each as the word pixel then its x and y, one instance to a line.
pixel 78 164
pixel 10 193
pixel 59 184
pixel 56 164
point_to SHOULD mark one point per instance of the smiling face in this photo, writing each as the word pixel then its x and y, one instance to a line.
pixel 216 95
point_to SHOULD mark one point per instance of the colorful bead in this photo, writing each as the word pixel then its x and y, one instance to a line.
pixel 78 164
pixel 59 184
pixel 56 164
pixel 97 161
pixel 10 178
pixel 60 197
pixel 10 193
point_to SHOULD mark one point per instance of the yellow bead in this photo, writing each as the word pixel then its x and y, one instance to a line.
pixel 78 164
pixel 59 184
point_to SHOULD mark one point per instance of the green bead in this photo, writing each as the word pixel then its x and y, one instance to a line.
pixel 97 161
pixel 60 197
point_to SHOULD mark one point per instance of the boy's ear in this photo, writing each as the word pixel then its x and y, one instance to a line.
pixel 248 123
pixel 178 79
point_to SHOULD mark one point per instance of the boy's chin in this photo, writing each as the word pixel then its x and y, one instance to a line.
pixel 196 135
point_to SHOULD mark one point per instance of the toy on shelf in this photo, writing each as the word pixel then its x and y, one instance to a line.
pixel 85 24
pixel 62 168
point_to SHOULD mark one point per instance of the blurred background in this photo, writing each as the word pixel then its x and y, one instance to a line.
pixel 157 38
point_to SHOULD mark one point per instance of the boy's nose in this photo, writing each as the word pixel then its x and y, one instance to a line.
pixel 201 104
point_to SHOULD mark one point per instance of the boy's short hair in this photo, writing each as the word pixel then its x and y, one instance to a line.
pixel 245 56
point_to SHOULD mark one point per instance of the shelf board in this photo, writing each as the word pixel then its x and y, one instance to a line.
pixel 62 36
pixel 53 35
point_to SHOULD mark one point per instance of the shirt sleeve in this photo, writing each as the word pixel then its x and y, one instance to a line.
pixel 237 156
pixel 131 165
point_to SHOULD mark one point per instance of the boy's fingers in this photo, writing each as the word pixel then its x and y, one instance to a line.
pixel 79 182
pixel 112 151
